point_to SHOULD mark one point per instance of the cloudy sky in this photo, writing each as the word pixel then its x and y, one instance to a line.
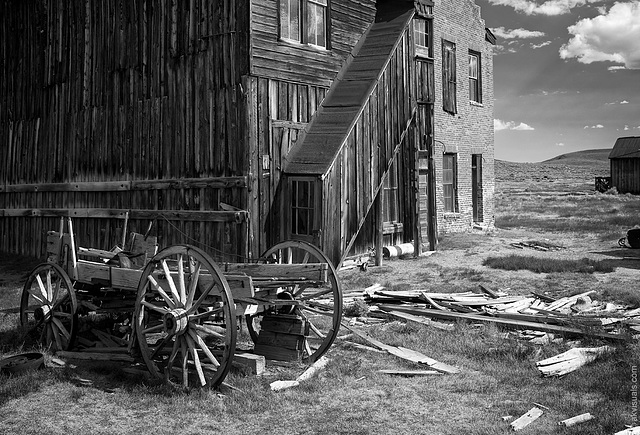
pixel 567 75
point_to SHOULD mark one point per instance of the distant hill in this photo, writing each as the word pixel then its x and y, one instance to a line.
pixel 583 158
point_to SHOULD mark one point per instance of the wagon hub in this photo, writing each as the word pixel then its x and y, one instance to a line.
pixel 175 322
pixel 42 313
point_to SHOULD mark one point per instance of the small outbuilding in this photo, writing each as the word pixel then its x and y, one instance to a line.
pixel 625 165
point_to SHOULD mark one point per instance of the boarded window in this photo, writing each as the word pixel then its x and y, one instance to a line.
pixel 449 100
pixel 449 182
pixel 422 30
pixel 302 207
pixel 475 78
pixel 304 21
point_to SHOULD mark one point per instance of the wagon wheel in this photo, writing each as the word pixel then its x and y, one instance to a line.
pixel 319 304
pixel 49 307
pixel 185 317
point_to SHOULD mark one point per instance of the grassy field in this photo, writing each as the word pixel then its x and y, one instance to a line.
pixel 350 396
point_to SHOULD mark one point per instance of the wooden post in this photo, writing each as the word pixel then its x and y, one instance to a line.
pixel 379 227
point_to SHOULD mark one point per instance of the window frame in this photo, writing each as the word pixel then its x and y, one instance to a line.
pixel 297 209
pixel 423 34
pixel 303 33
pixel 391 195
pixel 475 83
pixel 450 196
pixel 449 77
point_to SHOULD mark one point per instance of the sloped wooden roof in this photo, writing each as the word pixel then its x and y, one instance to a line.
pixel 626 148
pixel 315 154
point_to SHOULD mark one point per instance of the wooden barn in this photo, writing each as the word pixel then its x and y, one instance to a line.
pixel 234 124
pixel 625 165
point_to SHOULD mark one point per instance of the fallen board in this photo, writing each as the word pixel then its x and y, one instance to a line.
pixel 507 323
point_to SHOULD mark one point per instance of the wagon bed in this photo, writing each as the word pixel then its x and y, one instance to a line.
pixel 182 308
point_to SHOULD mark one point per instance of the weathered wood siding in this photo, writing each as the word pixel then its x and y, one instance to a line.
pixel 386 123
pixel 123 92
pixel 299 63
pixel 625 175
pixel 279 111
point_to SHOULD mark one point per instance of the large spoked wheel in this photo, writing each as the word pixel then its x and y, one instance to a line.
pixel 48 307
pixel 185 318
pixel 320 304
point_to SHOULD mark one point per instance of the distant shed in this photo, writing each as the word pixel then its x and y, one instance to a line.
pixel 625 165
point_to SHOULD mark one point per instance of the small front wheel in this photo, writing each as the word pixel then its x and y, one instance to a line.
pixel 48 307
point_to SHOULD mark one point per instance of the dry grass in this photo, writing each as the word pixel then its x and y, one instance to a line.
pixel 498 375
pixel 548 265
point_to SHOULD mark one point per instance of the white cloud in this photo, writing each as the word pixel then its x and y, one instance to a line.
pixel 503 33
pixel 626 127
pixel 510 125
pixel 549 7
pixel 615 68
pixel 624 102
pixel 610 37
pixel 594 126
pixel 543 44
pixel 559 144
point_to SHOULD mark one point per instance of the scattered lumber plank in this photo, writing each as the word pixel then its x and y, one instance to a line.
pixel 254 364
pixel 571 360
pixel 364 347
pixel 576 420
pixel 507 323
pixel 406 354
pixel 629 431
pixel 492 294
pixel 306 375
pixel 410 373
pixel 422 320
pixel 526 419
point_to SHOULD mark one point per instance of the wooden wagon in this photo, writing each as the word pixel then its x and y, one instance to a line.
pixel 179 310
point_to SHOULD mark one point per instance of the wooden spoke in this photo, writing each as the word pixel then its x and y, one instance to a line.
pixel 159 289
pixel 172 284
pixel 154 307
pixel 153 329
pixel 200 300
pixel 43 290
pixel 37 297
pixel 209 331
pixel 185 362
pixel 161 346
pixel 204 348
pixel 205 315
pixel 56 336
pixel 196 359
pixel 172 358
pixel 62 314
pixel 181 283
pixel 193 285
pixel 319 333
pixel 315 311
pixel 63 330
pixel 49 287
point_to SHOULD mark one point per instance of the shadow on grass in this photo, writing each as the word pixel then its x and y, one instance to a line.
pixel 624 257
pixel 550 265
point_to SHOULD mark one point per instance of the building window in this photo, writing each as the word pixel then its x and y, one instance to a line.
pixel 302 207
pixel 422 30
pixel 390 195
pixel 475 78
pixel 449 182
pixel 449 85
pixel 304 21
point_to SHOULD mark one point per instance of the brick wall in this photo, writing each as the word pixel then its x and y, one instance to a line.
pixel 470 130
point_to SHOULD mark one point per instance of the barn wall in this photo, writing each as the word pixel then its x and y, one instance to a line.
pixel 625 175
pixel 274 58
pixel 108 106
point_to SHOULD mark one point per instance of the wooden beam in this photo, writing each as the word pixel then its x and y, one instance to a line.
pixel 116 186
pixel 101 213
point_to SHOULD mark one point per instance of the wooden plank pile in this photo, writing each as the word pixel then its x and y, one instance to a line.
pixel 536 317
